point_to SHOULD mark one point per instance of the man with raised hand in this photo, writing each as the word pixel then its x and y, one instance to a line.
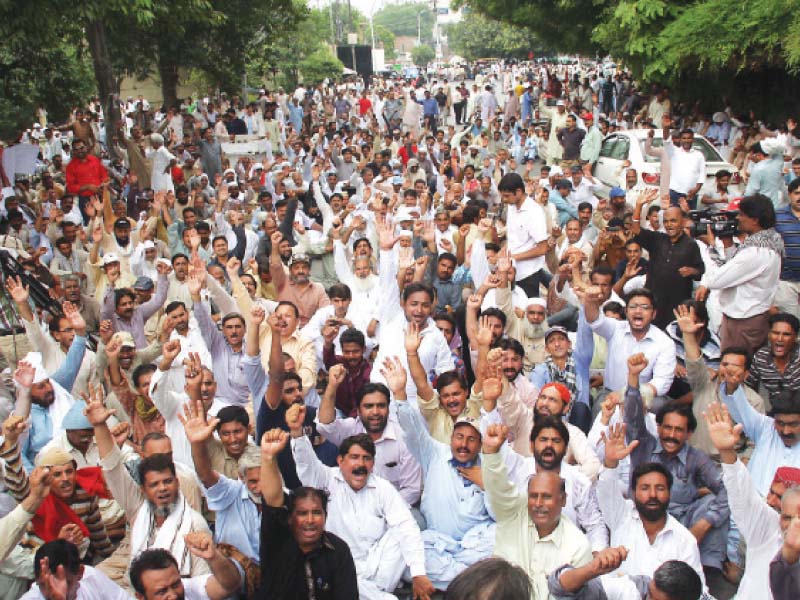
pixel 293 537
pixel 366 511
pixel 531 531
pixel 759 520
pixel 642 523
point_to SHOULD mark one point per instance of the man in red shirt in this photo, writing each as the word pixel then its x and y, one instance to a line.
pixel 364 104
pixel 85 175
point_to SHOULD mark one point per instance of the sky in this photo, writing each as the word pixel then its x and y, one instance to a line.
pixel 367 7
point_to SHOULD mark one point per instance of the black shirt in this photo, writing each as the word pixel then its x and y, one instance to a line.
pixel 669 287
pixel 287 573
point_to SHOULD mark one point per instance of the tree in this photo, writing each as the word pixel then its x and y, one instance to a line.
pixel 422 55
pixel 403 19
pixel 319 66
pixel 479 37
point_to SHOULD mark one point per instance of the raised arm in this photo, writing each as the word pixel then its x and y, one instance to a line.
pixel 272 444
pixel 413 340
pixel 199 431
pixel 225 580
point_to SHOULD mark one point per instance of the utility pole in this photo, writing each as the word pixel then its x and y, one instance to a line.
pixel 419 28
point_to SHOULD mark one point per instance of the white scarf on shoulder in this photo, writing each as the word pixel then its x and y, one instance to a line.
pixel 169 536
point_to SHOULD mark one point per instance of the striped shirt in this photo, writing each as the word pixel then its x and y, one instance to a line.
pixel 763 372
pixel 788 225
pixel 86 507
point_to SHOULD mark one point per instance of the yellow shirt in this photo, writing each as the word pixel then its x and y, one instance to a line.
pixel 440 423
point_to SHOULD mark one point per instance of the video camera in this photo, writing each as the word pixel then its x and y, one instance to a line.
pixel 723 223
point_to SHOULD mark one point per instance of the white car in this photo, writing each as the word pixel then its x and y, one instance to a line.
pixel 628 145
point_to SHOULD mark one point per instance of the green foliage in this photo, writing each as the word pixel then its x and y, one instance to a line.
pixel 481 37
pixel 421 55
pixel 320 65
pixel 401 19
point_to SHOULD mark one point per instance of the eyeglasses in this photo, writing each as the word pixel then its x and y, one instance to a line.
pixel 640 306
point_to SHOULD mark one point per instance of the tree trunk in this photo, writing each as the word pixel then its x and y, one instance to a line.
pixel 107 85
pixel 168 72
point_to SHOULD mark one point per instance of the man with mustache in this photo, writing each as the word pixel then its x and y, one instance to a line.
pixel 761 521
pixel 705 515
pixel 776 366
pixel 531 530
pixel 393 461
pixel 460 527
pixel 642 523
pixel 366 511
pixel 156 510
pixel 549 440
pixel 155 574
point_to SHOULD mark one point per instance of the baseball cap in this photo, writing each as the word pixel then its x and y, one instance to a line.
pixel 110 258
pixel 122 222
pixel 556 329
pixel 143 284
pixel 300 257
pixel 471 421
pixel 616 192
pixel 124 338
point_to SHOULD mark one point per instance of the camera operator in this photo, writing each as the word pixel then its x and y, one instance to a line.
pixel 747 276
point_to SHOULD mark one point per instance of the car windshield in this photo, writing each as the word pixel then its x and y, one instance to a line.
pixel 709 152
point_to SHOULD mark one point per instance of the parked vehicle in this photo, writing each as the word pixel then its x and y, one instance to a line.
pixel 625 149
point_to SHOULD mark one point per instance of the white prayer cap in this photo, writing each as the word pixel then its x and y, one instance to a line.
pixel 536 302
pixel 156 138
pixel 35 360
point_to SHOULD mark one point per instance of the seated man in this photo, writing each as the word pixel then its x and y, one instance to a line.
pixel 72 511
pixel 673 580
pixel 367 512
pixel 705 514
pixel 531 532
pixel 292 531
pixel 393 461
pixel 553 400
pixel 157 511
pixel 357 369
pixel 642 523
pixel 761 521
pixel 236 502
pixel 156 570
pixel 776 365
pixel 60 574
pixel 460 527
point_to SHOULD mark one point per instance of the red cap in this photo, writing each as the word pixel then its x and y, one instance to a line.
pixel 563 390
pixel 787 475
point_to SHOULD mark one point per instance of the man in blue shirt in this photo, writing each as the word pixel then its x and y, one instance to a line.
pixel 430 110
pixel 787 224
pixel 766 175
pixel 45 397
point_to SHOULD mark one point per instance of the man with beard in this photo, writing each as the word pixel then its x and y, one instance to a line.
pixel 179 278
pixel 367 512
pixel 119 306
pixel 528 329
pixel 186 331
pixel 294 540
pixel 636 334
pixel 642 523
pixel 531 530
pixel 363 283
pixel 225 347
pixel 236 502
pixel 393 461
pixel 155 573
pixel 157 511
pixel 548 442
pixel 459 527
pixel 45 397
pixel 513 370
pixel 569 368
pixel 761 520
pixel 416 306
pixel 306 295
pixel 356 369
pixel 705 514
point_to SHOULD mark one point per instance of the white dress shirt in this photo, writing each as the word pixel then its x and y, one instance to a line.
pixel 94 585
pixel 361 518
pixel 673 542
pixel 526 227
pixel 759 525
pixel 393 461
pixel 687 168
pixel 656 345
pixel 747 282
